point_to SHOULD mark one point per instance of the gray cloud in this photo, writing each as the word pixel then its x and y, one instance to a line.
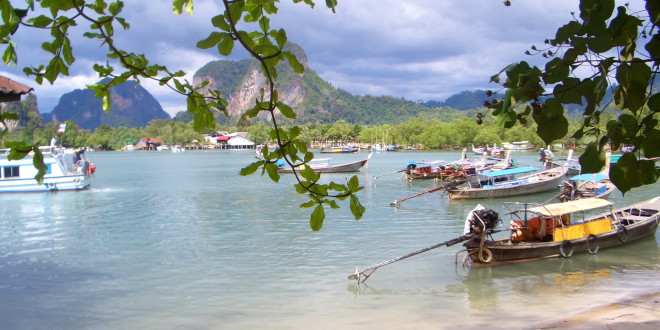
pixel 414 49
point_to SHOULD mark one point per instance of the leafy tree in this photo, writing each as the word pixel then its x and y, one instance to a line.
pixel 258 132
pixel 611 44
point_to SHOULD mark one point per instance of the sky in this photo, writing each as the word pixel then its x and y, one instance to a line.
pixel 418 50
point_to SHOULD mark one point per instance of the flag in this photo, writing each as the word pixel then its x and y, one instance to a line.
pixel 62 128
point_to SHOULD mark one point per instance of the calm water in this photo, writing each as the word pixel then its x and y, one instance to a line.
pixel 172 241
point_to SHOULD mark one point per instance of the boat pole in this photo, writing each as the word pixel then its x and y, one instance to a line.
pixel 455 182
pixel 399 171
pixel 361 276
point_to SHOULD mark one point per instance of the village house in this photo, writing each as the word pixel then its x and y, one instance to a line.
pixel 226 140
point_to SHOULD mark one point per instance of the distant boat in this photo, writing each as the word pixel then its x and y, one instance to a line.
pixel 322 165
pixel 340 150
pixel 128 147
pixel 62 173
pixel 176 148
pixel 163 147
pixel 555 230
pixel 519 145
pixel 503 183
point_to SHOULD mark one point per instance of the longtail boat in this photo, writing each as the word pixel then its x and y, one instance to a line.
pixel 322 165
pixel 504 183
pixel 556 230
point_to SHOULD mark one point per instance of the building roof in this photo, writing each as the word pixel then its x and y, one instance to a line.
pixel 11 91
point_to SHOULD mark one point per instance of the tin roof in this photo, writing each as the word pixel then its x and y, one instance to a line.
pixel 11 90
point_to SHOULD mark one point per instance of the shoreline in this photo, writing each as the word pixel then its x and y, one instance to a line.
pixel 641 312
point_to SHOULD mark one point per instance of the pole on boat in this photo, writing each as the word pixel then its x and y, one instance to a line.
pixel 399 201
pixel 453 183
pixel 361 276
pixel 399 171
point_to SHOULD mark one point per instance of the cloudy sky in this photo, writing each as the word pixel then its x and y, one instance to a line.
pixel 412 49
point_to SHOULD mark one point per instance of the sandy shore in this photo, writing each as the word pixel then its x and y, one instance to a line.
pixel 641 312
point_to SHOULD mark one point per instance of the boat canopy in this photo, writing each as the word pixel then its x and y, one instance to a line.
pixel 433 162
pixel 583 204
pixel 510 171
pixel 591 177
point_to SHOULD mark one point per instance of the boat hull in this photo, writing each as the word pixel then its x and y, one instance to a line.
pixel 348 167
pixel 59 183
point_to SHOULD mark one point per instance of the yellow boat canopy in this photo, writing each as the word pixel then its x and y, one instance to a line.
pixel 583 204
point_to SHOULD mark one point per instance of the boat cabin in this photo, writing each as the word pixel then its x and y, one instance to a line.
pixel 559 221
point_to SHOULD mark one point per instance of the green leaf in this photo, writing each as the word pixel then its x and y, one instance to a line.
pixel 625 173
pixel 592 161
pixel 308 204
pixel 654 102
pixel 653 47
pixel 356 208
pixel 38 162
pixel 220 22
pixel 332 203
pixel 568 91
pixel 251 168
pixel 567 31
pixel 271 169
pixel 226 45
pixel 286 110
pixel 555 71
pixel 353 184
pixel 213 39
pixel 294 63
pixel 316 218
pixel 177 6
pixel 651 143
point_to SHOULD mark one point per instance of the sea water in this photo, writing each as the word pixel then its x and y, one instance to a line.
pixel 168 240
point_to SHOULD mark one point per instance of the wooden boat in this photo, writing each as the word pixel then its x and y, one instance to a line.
pixel 340 150
pixel 586 185
pixel 573 165
pixel 503 183
pixel 436 170
pixel 67 170
pixel 322 165
pixel 554 230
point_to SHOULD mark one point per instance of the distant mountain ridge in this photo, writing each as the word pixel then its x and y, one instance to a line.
pixel 312 98
pixel 132 106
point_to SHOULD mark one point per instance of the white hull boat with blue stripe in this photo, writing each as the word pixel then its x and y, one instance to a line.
pixel 62 174
pixel 503 184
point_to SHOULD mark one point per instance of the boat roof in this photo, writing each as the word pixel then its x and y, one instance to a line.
pixel 510 171
pixel 583 204
pixel 433 162
pixel 591 177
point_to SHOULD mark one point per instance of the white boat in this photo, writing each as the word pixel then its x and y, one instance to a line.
pixel 177 149
pixel 62 173
pixel 519 145
pixel 128 147
pixel 503 184
pixel 163 147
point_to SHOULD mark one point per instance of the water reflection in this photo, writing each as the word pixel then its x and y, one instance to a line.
pixel 489 287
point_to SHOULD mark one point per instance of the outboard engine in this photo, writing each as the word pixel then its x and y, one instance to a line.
pixel 483 220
